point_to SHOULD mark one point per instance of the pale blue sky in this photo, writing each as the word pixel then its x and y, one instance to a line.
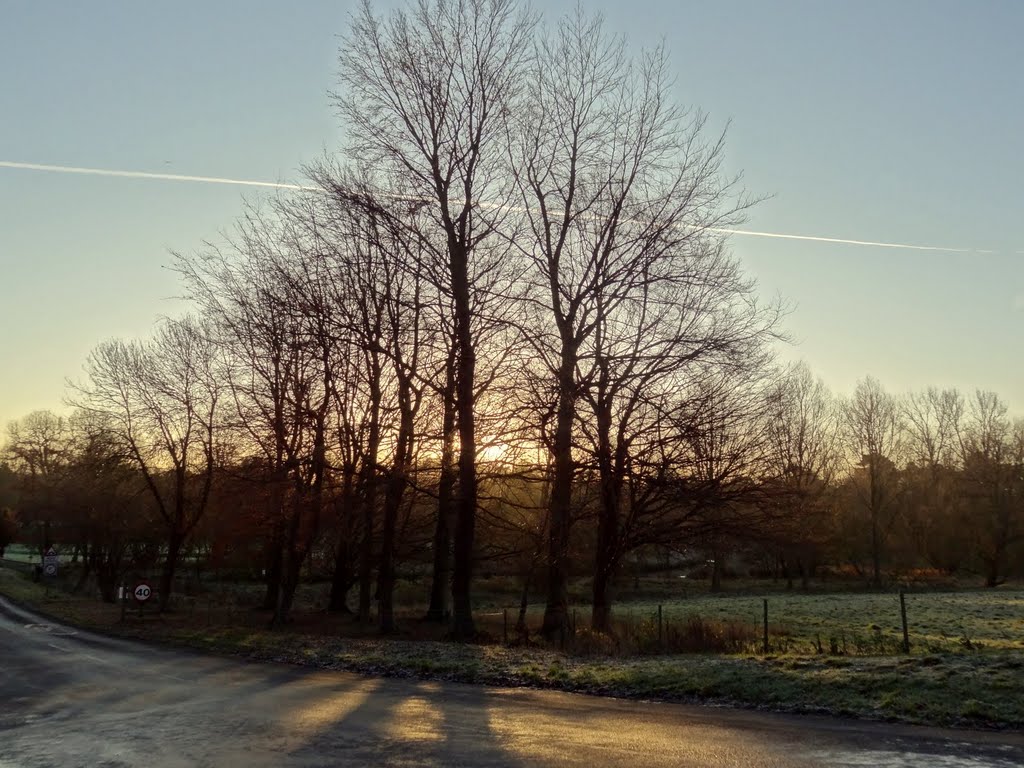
pixel 884 121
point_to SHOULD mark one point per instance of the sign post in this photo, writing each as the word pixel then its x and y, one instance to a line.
pixel 142 592
pixel 51 563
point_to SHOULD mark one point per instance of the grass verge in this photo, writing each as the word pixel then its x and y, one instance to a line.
pixel 979 689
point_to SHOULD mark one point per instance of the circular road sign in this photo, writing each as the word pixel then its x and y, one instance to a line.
pixel 50 569
pixel 142 592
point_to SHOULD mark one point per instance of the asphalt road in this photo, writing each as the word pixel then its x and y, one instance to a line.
pixel 71 698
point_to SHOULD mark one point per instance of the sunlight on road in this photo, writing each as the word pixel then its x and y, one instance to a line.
pixel 417 720
pixel 326 711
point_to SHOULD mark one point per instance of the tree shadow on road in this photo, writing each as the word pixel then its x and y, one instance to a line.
pixel 405 723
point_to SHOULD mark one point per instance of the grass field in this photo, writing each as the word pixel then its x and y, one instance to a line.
pixel 864 623
pixel 21 554
pixel 965 668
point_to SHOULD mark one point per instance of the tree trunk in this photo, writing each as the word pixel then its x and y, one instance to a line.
pixel 366 554
pixel 87 563
pixel 286 598
pixel 174 545
pixel 275 563
pixel 106 576
pixel 524 604
pixel 876 532
pixel 876 555
pixel 342 578
pixel 386 571
pixel 716 570
pixel 556 611
pixel 611 466
pixel 465 500
pixel 439 586
pixel 392 503
pixel 601 610
pixel 344 575
pixel 993 571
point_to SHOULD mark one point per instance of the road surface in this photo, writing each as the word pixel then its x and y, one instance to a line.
pixel 71 698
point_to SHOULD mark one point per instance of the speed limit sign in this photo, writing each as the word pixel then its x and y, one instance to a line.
pixel 142 592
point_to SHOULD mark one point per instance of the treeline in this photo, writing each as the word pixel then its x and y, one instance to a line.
pixel 878 486
pixel 503 326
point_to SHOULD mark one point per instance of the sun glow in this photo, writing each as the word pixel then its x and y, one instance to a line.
pixel 493 451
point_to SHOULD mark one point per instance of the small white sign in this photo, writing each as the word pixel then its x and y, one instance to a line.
pixel 142 592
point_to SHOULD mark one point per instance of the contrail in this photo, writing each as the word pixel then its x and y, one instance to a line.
pixel 843 241
pixel 282 185
pixel 148 175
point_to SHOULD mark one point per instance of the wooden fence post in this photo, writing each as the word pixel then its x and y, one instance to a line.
pixel 765 644
pixel 903 616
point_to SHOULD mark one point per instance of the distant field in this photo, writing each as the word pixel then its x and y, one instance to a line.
pixel 840 623
pixel 21 554
pixel 865 622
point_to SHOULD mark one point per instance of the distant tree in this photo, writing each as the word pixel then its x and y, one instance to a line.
pixel 719 488
pixel 104 504
pixel 37 443
pixel 8 528
pixel 37 447
pixel 933 499
pixel 993 462
pixel 161 401
pixel 875 440
pixel 804 453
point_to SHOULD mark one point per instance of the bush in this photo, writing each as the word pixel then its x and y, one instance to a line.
pixel 694 634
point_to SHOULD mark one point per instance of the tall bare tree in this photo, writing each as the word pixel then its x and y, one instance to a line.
pixel 426 94
pixel 621 189
pixel 244 299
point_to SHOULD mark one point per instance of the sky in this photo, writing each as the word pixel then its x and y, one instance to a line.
pixel 872 121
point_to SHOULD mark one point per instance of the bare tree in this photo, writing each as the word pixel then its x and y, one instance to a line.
pixel 242 296
pixel 620 191
pixel 934 421
pixel 992 449
pixel 38 446
pixel 804 456
pixel 37 443
pixel 874 430
pixel 426 94
pixel 161 399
